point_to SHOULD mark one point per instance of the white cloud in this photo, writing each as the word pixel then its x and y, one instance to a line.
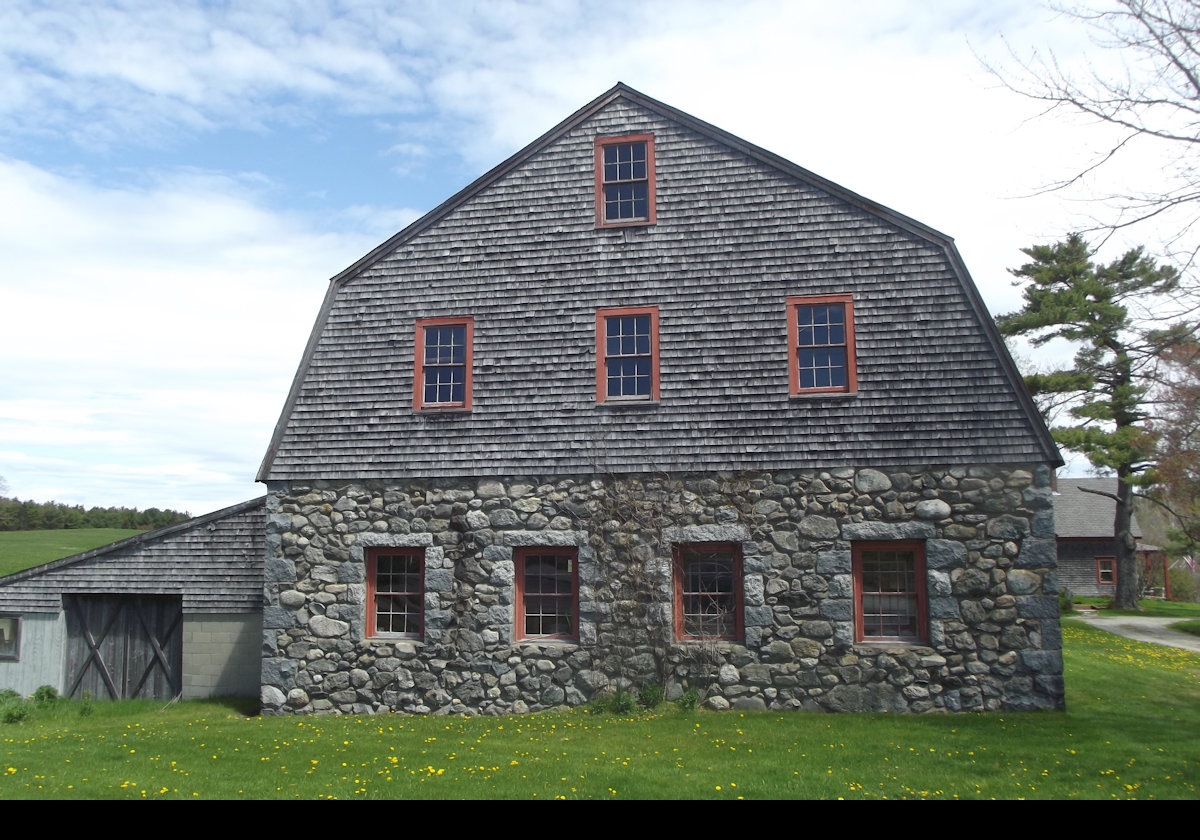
pixel 154 312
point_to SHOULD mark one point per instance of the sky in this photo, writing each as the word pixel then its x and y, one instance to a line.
pixel 179 180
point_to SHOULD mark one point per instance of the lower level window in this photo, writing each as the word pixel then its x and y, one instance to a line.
pixel 889 590
pixel 395 592
pixel 708 591
pixel 1106 570
pixel 10 636
pixel 547 605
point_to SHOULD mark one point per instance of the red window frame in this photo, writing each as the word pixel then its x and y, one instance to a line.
pixel 1111 562
pixel 541 606
pixel 882 585
pixel 794 304
pixel 695 600
pixel 602 356
pixel 604 143
pixel 422 326
pixel 411 591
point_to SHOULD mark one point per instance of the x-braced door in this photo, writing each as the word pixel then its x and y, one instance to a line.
pixel 124 646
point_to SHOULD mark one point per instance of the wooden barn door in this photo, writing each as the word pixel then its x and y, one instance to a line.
pixel 124 646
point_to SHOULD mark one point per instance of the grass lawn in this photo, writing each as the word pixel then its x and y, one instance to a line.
pixel 23 549
pixel 1192 627
pixel 1122 737
pixel 1150 607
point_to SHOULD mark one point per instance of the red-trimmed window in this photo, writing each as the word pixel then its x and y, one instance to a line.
pixel 396 592
pixel 547 593
pixel 442 376
pixel 10 637
pixel 1106 570
pixel 890 592
pixel 627 354
pixel 708 591
pixel 625 180
pixel 821 345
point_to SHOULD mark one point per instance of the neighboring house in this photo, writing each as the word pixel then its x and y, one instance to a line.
pixel 176 611
pixel 649 404
pixel 1084 510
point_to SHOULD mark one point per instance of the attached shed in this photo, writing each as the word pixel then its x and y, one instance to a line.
pixel 172 612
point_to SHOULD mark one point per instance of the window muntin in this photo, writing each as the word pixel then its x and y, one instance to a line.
pixel 627 350
pixel 442 375
pixel 708 591
pixel 1106 570
pixel 890 592
pixel 10 637
pixel 547 601
pixel 396 592
pixel 821 345
pixel 625 180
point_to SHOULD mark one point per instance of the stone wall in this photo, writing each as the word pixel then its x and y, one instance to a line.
pixel 993 635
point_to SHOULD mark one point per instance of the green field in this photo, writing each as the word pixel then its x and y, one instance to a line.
pixel 23 549
pixel 1128 733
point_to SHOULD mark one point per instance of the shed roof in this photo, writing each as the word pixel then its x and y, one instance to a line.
pixel 214 561
pixel 1080 512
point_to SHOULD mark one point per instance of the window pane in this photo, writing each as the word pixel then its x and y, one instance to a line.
pixel 549 594
pixel 709 593
pixel 889 594
pixel 398 596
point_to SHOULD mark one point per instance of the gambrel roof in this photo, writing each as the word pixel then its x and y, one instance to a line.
pixel 738 230
pixel 214 561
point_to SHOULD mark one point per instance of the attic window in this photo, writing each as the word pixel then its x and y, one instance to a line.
pixel 625 180
pixel 442 374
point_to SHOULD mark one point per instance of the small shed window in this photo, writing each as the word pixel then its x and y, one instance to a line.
pixel 10 637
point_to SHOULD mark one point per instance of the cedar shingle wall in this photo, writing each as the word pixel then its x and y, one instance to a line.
pixel 734 238
pixel 217 566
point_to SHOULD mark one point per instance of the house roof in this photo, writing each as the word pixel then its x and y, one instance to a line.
pixel 738 229
pixel 214 561
pixel 1081 513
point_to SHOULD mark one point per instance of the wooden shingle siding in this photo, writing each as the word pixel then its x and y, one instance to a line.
pixel 215 562
pixel 737 232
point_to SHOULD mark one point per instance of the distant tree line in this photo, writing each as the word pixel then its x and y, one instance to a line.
pixel 16 515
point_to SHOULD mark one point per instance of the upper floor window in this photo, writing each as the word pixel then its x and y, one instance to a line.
pixel 708 591
pixel 625 180
pixel 442 376
pixel 627 354
pixel 821 345
pixel 547 597
pixel 890 592
pixel 396 592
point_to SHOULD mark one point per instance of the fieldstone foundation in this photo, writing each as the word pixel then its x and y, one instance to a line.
pixel 993 632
